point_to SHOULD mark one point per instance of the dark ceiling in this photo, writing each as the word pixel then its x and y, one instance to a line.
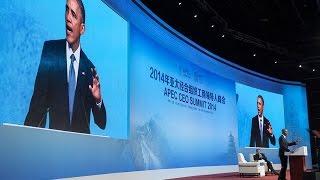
pixel 273 37
pixel 282 34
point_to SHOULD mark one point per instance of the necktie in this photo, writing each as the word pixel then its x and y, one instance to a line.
pixel 71 86
pixel 261 129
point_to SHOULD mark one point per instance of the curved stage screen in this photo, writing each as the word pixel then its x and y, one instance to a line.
pixel 167 102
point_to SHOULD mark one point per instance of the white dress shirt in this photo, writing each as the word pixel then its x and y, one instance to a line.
pixel 261 119
pixel 75 63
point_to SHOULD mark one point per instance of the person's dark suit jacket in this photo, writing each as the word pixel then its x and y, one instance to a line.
pixel 51 93
pixel 255 138
pixel 284 144
pixel 257 157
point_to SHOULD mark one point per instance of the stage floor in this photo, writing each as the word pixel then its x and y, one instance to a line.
pixel 232 176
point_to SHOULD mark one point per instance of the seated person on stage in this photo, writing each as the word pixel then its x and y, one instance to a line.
pixel 261 156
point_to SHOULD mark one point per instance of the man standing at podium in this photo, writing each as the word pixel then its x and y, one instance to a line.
pixel 67 85
pixel 261 129
pixel 283 142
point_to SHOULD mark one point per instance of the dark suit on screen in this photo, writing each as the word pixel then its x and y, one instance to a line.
pixel 255 138
pixel 50 93
pixel 284 144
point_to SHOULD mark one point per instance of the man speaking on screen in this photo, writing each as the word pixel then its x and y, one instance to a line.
pixel 67 85
pixel 261 129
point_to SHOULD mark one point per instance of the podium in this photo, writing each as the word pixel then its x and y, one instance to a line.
pixel 297 162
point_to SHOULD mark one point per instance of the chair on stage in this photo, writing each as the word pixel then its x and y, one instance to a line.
pixel 266 169
pixel 250 168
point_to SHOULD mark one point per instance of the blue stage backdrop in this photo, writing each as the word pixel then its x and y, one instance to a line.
pixel 247 109
pixel 183 115
pixel 26 24
pixel 296 113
